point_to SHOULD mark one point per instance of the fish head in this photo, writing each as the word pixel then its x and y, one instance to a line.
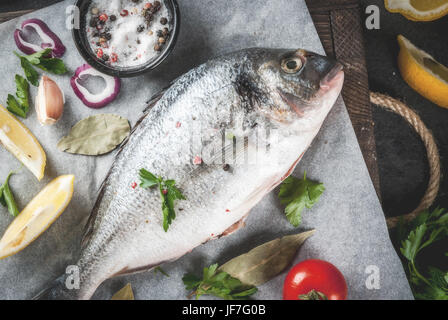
pixel 301 85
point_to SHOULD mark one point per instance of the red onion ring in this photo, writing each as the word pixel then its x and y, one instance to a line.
pixel 48 38
pixel 99 100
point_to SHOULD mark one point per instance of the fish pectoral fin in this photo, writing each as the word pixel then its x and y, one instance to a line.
pixel 288 173
pixel 235 227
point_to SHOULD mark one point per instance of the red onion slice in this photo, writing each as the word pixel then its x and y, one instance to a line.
pixel 48 38
pixel 98 100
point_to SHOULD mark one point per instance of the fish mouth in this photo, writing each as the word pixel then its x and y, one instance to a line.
pixel 292 101
pixel 333 79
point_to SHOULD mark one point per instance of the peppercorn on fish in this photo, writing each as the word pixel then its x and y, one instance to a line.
pixel 227 132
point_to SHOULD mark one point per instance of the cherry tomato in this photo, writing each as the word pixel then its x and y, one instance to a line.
pixel 314 280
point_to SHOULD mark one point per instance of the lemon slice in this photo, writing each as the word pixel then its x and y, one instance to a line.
pixel 418 10
pixel 423 73
pixel 18 140
pixel 37 216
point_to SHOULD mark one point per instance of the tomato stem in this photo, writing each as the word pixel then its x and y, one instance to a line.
pixel 313 295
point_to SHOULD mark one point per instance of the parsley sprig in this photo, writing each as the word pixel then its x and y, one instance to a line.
pixel 217 283
pixel 428 283
pixel 42 60
pixel 168 193
pixel 7 198
pixel 297 194
pixel 19 105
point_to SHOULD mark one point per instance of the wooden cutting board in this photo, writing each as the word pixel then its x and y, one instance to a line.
pixel 339 25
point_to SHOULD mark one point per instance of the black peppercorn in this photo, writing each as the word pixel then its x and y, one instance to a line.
pixel 157 47
pixel 165 32
pixel 105 57
pixel 156 7
pixel 93 22
pixel 163 20
pixel 136 1
pixel 148 15
pixel 108 36
pixel 113 17
pixel 159 33
pixel 226 167
pixel 140 28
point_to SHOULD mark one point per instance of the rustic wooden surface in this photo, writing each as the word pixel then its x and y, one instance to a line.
pixel 338 24
pixel 5 16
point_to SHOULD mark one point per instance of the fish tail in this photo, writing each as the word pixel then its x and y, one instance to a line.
pixel 57 291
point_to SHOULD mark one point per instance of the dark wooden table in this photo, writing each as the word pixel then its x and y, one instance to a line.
pixel 339 26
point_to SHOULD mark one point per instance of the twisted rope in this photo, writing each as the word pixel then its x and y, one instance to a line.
pixel 432 152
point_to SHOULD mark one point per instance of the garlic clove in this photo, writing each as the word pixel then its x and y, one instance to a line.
pixel 49 101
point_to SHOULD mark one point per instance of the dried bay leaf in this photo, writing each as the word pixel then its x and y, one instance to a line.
pixel 266 261
pixel 96 135
pixel 124 293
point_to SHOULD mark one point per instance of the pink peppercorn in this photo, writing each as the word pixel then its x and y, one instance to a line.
pixel 197 160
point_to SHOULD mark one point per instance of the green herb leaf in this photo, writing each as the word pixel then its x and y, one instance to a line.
pixel 14 107
pixel 429 227
pixel 147 179
pixel 266 261
pixel 31 74
pixel 42 60
pixel 7 198
pixel 22 92
pixel 412 244
pixel 160 270
pixel 2 198
pixel 36 57
pixel 95 135
pixel 217 283
pixel 169 193
pixel 53 65
pixel 297 194
pixel 191 281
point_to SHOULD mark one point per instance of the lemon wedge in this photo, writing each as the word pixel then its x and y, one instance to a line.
pixel 37 216
pixel 423 73
pixel 418 10
pixel 18 140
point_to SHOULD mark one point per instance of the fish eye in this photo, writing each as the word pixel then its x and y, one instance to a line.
pixel 292 65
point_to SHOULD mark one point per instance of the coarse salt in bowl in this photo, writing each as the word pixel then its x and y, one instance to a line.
pixel 126 38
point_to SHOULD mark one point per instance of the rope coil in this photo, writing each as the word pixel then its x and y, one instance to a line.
pixel 432 152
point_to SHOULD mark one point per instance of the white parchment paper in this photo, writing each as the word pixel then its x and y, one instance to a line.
pixel 351 230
